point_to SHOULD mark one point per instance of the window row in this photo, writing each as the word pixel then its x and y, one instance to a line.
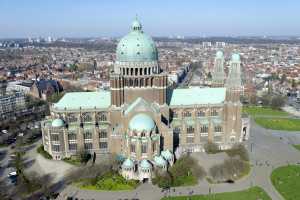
pixel 200 113
pixel 87 117
pixel 86 135
pixel 203 129
pixel 138 71
pixel 144 148
pixel 139 82
pixel 87 146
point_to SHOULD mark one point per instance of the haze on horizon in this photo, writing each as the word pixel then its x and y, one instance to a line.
pixel 94 18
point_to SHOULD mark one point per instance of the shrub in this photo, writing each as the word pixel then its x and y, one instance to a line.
pixel 238 150
pixel 84 156
pixel 277 102
pixel 185 171
pixel 44 153
pixel 230 169
pixel 211 148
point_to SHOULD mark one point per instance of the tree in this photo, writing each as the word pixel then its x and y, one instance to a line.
pixel 265 99
pixel 294 84
pixel 84 156
pixel 277 102
pixel 283 78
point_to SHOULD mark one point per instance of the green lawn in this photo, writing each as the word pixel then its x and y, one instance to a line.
pixel 279 123
pixel 255 110
pixel 297 146
pixel 253 193
pixel 110 181
pixel 287 181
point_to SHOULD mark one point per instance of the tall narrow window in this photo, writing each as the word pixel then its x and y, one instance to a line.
pixel 144 148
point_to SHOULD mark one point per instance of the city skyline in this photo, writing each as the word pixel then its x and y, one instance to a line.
pixel 109 18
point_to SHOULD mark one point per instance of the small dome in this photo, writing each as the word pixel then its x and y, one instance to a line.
pixel 136 46
pixel 141 122
pixel 167 155
pixel 219 54
pixel 57 123
pixel 160 161
pixel 235 57
pixel 145 164
pixel 128 163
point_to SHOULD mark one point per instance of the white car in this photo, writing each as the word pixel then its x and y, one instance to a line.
pixel 11 174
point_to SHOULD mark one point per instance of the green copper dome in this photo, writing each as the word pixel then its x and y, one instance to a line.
pixel 219 54
pixel 160 161
pixel 136 46
pixel 57 123
pixel 235 57
pixel 128 163
pixel 167 154
pixel 145 164
pixel 141 122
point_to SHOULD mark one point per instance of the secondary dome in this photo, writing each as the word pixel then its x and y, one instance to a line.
pixel 145 164
pixel 136 46
pixel 128 163
pixel 235 57
pixel 160 161
pixel 141 122
pixel 57 123
pixel 219 54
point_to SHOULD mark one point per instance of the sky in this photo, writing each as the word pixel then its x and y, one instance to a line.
pixel 98 18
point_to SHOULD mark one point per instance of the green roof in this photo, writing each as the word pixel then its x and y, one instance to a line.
pixel 160 161
pixel 197 96
pixel 57 123
pixel 85 100
pixel 167 154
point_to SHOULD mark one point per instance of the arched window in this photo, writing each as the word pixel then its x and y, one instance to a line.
pixel 149 70
pixel 136 82
pixel 136 71
pixel 141 71
pixel 127 71
pixel 145 71
pixel 142 82
pixel 190 129
pixel 151 82
pixel 130 82
pixel 204 129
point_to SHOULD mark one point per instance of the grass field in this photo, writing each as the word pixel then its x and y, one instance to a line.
pixel 253 193
pixel 255 110
pixel 279 123
pixel 287 181
pixel 297 146
pixel 110 182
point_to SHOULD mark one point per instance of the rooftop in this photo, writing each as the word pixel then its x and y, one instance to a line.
pixel 197 96
pixel 84 100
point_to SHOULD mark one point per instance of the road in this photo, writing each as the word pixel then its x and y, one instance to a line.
pixel 195 70
pixel 268 150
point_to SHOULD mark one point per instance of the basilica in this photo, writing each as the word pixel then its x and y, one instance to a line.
pixel 144 120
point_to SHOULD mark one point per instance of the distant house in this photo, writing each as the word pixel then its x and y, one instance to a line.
pixel 45 88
